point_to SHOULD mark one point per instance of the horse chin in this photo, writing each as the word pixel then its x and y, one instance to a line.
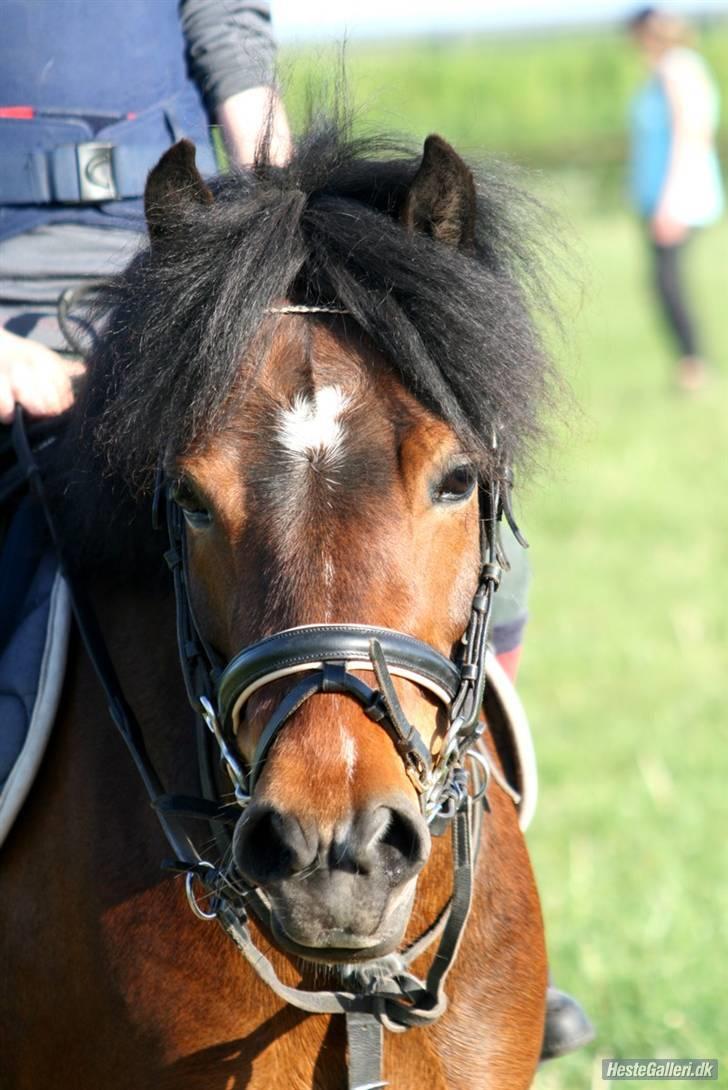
pixel 329 953
pixel 336 946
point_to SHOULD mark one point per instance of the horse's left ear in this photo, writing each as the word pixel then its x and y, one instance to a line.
pixel 173 185
pixel 441 197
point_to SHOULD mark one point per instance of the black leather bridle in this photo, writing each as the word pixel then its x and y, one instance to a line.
pixel 323 657
pixel 384 994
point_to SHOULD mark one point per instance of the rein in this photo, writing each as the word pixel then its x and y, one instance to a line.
pixel 451 785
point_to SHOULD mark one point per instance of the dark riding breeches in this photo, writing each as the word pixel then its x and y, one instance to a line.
pixel 670 287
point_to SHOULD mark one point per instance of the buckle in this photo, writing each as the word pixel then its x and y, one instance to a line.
pixel 95 172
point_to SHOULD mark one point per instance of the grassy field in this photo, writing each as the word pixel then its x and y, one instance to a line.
pixel 627 655
pixel 555 100
pixel 626 667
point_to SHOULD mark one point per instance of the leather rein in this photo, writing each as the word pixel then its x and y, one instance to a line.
pixel 451 786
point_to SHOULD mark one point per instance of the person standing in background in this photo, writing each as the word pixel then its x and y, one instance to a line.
pixel 675 178
pixel 92 93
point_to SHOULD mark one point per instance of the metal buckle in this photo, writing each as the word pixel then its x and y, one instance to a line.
pixel 95 172
pixel 416 772
pixel 209 716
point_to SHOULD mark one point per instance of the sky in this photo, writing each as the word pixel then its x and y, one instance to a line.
pixel 334 19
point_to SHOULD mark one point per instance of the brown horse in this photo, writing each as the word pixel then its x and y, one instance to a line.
pixel 324 469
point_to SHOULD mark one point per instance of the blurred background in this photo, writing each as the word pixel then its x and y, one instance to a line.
pixel 626 658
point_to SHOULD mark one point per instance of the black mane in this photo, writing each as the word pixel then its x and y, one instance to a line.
pixel 458 328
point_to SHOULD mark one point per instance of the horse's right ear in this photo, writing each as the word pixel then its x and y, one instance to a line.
pixel 174 185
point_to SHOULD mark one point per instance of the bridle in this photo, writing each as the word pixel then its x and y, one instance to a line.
pixel 327 655
pixel 321 658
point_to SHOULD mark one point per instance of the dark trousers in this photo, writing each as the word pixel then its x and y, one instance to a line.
pixel 670 287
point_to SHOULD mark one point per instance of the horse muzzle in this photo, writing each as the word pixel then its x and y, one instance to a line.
pixel 335 894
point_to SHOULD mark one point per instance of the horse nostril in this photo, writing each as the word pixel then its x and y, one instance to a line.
pixel 401 836
pixel 395 838
pixel 269 845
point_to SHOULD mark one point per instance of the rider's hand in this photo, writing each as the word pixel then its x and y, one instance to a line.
pixel 35 377
pixel 666 230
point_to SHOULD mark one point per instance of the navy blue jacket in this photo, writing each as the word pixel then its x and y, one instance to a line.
pixel 93 91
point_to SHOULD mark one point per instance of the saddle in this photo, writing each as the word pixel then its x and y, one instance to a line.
pixel 35 623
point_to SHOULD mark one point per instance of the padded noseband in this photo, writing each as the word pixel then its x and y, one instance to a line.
pixel 326 654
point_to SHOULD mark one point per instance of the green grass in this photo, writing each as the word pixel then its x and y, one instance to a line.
pixel 563 98
pixel 625 671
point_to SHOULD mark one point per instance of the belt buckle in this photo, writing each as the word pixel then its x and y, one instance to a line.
pixel 95 172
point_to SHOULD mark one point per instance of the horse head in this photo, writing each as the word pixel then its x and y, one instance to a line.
pixel 329 495
pixel 332 364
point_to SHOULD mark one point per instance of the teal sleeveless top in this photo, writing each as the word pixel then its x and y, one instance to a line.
pixel 700 196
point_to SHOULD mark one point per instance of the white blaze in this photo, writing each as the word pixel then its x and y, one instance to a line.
pixel 348 752
pixel 312 426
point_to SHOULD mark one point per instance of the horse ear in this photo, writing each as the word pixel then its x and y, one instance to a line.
pixel 173 185
pixel 441 197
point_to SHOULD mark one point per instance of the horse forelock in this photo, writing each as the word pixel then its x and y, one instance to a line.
pixel 455 327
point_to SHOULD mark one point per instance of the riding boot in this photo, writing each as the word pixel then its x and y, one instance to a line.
pixel 567 1026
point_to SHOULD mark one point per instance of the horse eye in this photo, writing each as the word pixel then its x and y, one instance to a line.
pixel 185 496
pixel 457 484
